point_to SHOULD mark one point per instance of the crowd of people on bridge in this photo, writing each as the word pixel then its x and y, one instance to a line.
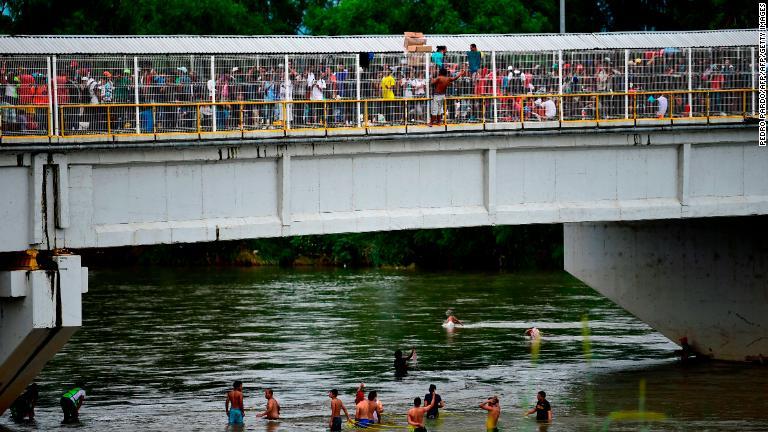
pixel 249 92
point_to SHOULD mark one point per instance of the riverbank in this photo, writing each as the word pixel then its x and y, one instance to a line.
pixel 528 247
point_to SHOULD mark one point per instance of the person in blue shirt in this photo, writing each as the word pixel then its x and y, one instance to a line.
pixel 439 56
pixel 474 58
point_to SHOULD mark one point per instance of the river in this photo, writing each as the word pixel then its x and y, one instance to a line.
pixel 159 349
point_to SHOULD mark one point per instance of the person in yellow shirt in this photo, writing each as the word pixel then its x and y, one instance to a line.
pixel 387 84
pixel 387 93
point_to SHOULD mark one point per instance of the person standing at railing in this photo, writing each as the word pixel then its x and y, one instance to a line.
pixel 406 84
pixel 716 79
pixel 123 87
pixel 106 87
pixel 441 84
pixel 91 92
pixel 439 56
pixel 419 86
pixel 387 93
pixel 270 95
pixel 316 87
pixel 342 112
pixel 10 83
pixel 286 94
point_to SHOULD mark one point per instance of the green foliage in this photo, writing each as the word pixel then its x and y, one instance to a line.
pixel 336 17
pixel 153 17
pixel 432 16
pixel 507 247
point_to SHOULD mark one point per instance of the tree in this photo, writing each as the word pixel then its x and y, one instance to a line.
pixel 141 17
pixel 333 17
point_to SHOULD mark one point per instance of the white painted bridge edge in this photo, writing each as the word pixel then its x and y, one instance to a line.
pixel 136 196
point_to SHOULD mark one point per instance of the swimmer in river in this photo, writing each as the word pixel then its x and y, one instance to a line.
pixel 494 410
pixel 273 407
pixel 542 409
pixel 416 414
pixel 233 406
pixel 379 409
pixel 401 363
pixel 360 395
pixel 334 424
pixel 451 319
pixel 71 402
pixel 434 412
pixel 364 411
pixel 24 405
pixel 533 333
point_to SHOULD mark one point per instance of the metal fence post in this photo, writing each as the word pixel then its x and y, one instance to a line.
pixel 53 119
pixel 626 84
pixel 358 73
pixel 560 81
pixel 690 83
pixel 428 86
pixel 288 92
pixel 136 93
pixel 213 94
pixel 754 76
pixel 494 89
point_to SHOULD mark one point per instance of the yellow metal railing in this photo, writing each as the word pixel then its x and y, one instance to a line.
pixel 25 121
pixel 297 116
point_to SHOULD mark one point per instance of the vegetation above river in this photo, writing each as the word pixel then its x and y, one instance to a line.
pixel 502 247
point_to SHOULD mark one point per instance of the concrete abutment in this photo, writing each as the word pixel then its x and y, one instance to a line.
pixel 704 279
pixel 39 311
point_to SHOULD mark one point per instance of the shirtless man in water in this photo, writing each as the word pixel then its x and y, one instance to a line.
pixel 273 407
pixel 234 404
pixel 494 410
pixel 365 409
pixel 416 414
pixel 334 424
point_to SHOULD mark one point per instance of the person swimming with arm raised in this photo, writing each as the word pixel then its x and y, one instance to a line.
pixel 364 411
pixel 401 363
pixel 416 414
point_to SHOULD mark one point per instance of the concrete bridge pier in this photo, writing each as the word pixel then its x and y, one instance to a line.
pixel 704 279
pixel 40 309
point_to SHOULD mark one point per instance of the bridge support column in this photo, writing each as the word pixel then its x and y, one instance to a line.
pixel 704 279
pixel 39 311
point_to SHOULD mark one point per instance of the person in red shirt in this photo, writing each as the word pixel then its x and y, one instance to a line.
pixel 716 81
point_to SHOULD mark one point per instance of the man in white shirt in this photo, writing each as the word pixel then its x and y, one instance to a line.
pixel 316 87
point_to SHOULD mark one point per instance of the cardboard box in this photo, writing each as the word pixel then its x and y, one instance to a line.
pixel 413 34
pixel 419 48
pixel 414 41
pixel 416 59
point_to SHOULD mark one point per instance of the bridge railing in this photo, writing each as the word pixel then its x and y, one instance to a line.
pixel 358 116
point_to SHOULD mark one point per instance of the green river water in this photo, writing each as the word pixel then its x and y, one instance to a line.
pixel 159 349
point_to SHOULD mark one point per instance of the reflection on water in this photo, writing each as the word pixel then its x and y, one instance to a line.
pixel 159 349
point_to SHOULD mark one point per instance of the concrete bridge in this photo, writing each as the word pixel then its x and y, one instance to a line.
pixel 662 215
